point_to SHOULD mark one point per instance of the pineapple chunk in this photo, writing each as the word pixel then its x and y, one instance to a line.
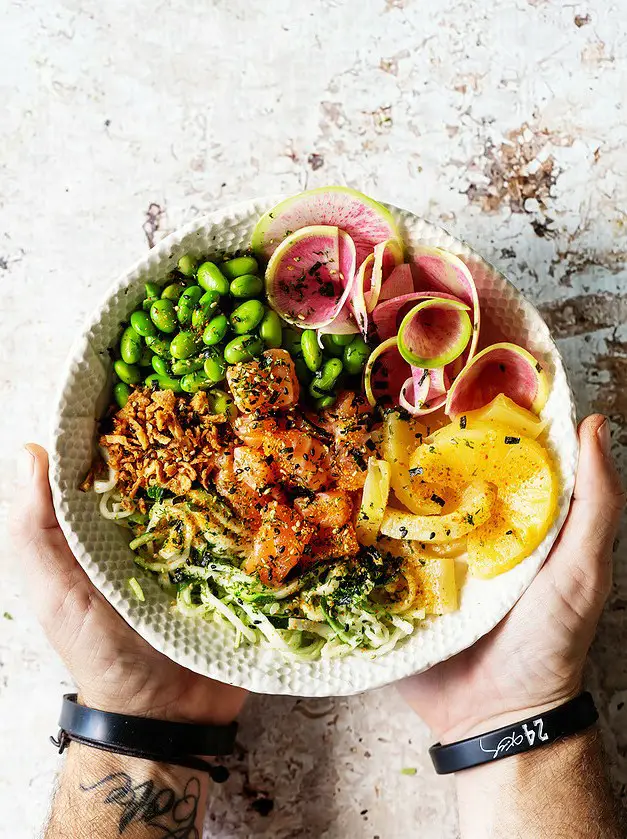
pixel 373 501
pixel 437 587
pixel 474 509
pixel 505 411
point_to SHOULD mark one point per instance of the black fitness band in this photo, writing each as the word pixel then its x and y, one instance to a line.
pixel 159 740
pixel 541 730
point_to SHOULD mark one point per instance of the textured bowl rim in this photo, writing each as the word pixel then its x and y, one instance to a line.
pixel 376 673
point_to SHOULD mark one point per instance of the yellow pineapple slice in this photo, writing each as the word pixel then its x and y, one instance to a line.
pixel 373 501
pixel 474 509
pixel 437 587
pixel 505 411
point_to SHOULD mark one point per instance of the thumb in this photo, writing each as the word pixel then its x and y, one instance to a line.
pixel 582 560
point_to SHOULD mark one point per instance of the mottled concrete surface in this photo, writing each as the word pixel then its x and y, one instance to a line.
pixel 504 120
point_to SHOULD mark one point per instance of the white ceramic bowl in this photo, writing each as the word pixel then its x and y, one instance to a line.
pixel 101 546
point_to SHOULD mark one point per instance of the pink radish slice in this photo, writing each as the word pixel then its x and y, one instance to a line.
pixel 385 374
pixel 434 333
pixel 361 287
pixel 415 390
pixel 342 324
pixel 502 368
pixel 435 397
pixel 387 257
pixel 399 283
pixel 310 276
pixel 438 270
pixel 388 315
pixel 365 220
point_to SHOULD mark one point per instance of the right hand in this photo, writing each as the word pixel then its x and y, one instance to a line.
pixel 534 659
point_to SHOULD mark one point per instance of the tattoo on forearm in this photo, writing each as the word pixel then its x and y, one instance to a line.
pixel 173 813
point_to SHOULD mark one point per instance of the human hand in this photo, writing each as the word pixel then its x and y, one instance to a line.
pixel 113 667
pixel 534 659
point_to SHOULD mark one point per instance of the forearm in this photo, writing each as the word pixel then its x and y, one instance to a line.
pixel 104 795
pixel 559 791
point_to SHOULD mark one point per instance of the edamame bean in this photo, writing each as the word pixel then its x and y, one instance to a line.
pixel 325 401
pixel 152 380
pixel 169 383
pixel 246 317
pixel 146 357
pixel 153 292
pixel 331 348
pixel 246 286
pixel 142 324
pixel 215 367
pixel 187 265
pixel 325 378
pixel 205 310
pixel 130 346
pixel 160 366
pixel 191 382
pixel 271 330
pixel 311 350
pixel 173 292
pixel 342 340
pixel 121 392
pixel 215 330
pixel 211 278
pixel 221 403
pixel 184 345
pixel 187 365
pixel 242 348
pixel 187 302
pixel 127 373
pixel 291 342
pixel 355 355
pixel 239 266
pixel 159 346
pixel 163 315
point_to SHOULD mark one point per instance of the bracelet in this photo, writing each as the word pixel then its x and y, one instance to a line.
pixel 574 716
pixel 142 737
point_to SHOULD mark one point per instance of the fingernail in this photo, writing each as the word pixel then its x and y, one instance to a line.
pixel 605 438
pixel 25 467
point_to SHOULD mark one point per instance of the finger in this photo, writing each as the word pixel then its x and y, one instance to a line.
pixel 582 560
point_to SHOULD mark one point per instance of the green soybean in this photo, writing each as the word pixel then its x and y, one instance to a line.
pixel 130 346
pixel 205 309
pixel 242 348
pixel 221 403
pixel 215 330
pixel 187 265
pixel 145 359
pixel 187 365
pixel 152 380
pixel 325 379
pixel 239 266
pixel 342 340
pixel 211 278
pixel 270 330
pixel 128 373
pixel 153 292
pixel 187 302
pixel 163 315
pixel 246 317
pixel 184 345
pixel 191 382
pixel 215 367
pixel 142 324
pixel 160 366
pixel 246 286
pixel 331 348
pixel 291 341
pixel 169 383
pixel 173 292
pixel 311 350
pixel 355 356
pixel 121 393
pixel 159 346
pixel 325 401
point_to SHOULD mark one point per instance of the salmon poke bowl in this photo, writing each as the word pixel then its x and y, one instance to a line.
pixel 313 445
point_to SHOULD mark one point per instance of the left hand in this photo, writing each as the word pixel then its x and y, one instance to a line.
pixel 113 667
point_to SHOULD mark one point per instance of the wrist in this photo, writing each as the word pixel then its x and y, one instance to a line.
pixel 222 711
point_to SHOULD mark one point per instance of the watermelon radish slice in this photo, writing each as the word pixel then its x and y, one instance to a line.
pixel 386 373
pixel 399 282
pixel 366 221
pixel 387 257
pixel 361 287
pixel 438 270
pixel 310 276
pixel 434 333
pixel 502 368
pixel 415 391
pixel 388 315
pixel 435 382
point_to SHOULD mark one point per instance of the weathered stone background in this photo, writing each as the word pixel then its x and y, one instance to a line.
pixel 504 120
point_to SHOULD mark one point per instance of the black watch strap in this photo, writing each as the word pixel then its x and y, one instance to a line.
pixel 541 730
pixel 160 740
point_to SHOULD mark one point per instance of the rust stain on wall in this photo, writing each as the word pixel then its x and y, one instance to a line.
pixel 584 313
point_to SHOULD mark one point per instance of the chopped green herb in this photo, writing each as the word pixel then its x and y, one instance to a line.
pixel 136 589
pixel 409 770
pixel 8 616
